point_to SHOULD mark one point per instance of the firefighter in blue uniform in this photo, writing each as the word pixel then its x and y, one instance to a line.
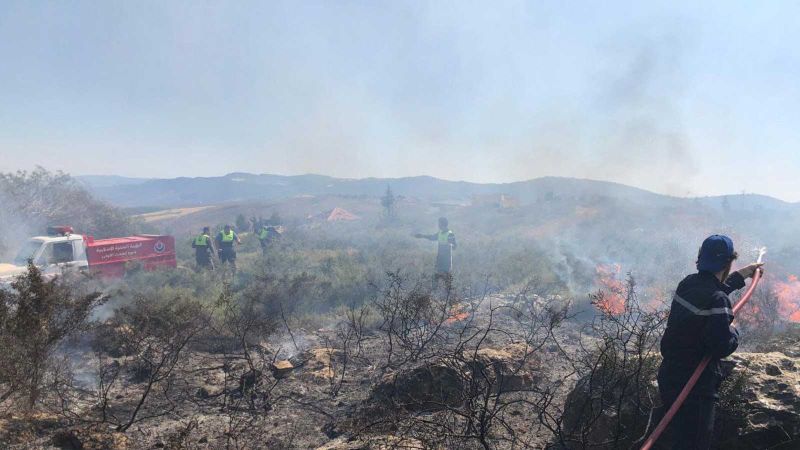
pixel 699 324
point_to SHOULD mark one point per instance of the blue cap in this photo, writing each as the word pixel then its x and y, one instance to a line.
pixel 715 253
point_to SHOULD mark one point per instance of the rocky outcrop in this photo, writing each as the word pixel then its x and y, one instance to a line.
pixel 611 408
pixel 431 387
pixel 427 387
pixel 759 407
pixel 445 383
pixel 317 365
pixel 511 368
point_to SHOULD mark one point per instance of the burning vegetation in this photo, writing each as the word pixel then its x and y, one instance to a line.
pixel 787 293
pixel 609 279
pixel 336 337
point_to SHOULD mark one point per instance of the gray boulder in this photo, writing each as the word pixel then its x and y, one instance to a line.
pixel 759 407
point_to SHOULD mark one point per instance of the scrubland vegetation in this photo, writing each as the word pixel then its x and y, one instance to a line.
pixel 334 337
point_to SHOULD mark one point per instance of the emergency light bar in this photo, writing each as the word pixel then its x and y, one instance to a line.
pixel 59 230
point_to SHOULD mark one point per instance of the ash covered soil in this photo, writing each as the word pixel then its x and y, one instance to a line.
pixel 499 372
pixel 320 389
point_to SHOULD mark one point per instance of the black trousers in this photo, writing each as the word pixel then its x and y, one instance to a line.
pixel 227 256
pixel 692 428
pixel 203 259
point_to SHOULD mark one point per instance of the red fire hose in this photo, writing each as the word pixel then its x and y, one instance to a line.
pixel 700 368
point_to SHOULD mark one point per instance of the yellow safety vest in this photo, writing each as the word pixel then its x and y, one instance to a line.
pixel 201 240
pixel 444 237
pixel 227 237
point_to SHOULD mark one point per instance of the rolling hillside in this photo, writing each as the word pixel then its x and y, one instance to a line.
pixel 576 220
pixel 242 187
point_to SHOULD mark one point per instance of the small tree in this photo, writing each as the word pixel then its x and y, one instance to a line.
pixel 37 315
pixel 388 202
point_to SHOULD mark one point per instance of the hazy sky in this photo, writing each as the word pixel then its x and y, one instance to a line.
pixel 677 99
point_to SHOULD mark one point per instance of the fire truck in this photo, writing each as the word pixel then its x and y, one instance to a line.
pixel 62 249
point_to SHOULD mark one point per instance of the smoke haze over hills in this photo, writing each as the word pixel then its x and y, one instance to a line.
pixel 582 222
pixel 676 99
pixel 443 224
pixel 185 191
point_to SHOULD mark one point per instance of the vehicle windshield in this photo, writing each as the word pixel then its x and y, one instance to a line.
pixel 27 252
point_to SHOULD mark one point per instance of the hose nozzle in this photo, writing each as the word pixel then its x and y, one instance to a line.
pixel 761 252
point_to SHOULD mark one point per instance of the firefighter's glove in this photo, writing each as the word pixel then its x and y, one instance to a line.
pixel 749 271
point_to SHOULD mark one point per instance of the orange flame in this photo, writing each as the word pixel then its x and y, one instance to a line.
pixel 788 295
pixel 457 314
pixel 609 279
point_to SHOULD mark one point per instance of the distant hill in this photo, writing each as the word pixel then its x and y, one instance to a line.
pixel 577 221
pixel 238 187
pixel 103 181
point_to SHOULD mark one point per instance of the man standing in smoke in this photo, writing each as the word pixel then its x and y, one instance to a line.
pixel 267 235
pixel 699 324
pixel 446 241
pixel 226 239
pixel 203 246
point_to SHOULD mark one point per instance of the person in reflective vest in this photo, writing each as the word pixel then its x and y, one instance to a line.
pixel 226 239
pixel 266 236
pixel 203 247
pixel 699 324
pixel 446 243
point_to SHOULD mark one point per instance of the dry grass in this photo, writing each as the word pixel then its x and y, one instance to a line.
pixel 169 214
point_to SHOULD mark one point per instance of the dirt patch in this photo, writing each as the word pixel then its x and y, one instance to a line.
pixel 169 214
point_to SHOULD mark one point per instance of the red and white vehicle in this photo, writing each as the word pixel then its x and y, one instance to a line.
pixel 62 249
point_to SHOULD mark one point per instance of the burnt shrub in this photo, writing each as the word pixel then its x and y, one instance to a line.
pixel 154 332
pixel 37 316
pixel 615 365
